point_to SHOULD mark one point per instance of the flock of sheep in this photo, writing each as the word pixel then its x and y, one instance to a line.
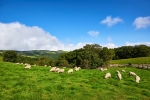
pixel 108 75
pixel 61 70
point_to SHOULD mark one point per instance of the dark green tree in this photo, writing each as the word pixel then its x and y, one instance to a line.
pixel 107 55
pixel 141 51
pixel 9 56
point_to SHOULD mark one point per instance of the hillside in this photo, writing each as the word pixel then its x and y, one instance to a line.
pixel 139 60
pixel 39 53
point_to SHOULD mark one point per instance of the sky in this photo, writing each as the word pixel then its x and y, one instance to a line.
pixel 71 24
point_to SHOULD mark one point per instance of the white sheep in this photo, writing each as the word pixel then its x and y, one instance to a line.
pixel 119 75
pixel 34 65
pixel 70 71
pixel 103 69
pixel 137 79
pixel 53 69
pixel 17 63
pixel 123 70
pixel 57 69
pixel 108 75
pixel 28 66
pixel 132 73
pixel 77 69
pixel 61 70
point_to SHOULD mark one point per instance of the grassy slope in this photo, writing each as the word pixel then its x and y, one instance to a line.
pixel 1 59
pixel 17 83
pixel 140 60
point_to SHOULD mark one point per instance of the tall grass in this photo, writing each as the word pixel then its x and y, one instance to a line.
pixel 140 60
pixel 37 83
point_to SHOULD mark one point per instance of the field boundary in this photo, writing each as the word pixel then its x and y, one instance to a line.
pixel 145 66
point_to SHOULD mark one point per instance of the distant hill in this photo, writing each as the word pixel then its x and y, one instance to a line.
pixel 39 53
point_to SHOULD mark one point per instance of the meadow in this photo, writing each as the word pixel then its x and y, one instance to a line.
pixel 38 83
pixel 139 60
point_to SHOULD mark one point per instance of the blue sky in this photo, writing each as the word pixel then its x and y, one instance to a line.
pixel 70 24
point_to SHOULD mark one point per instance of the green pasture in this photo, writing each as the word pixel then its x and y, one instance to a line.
pixel 38 83
pixel 1 58
pixel 140 60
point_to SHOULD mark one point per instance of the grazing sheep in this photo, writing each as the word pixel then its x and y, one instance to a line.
pixel 45 65
pixel 137 79
pixel 28 66
pixel 108 75
pixel 123 70
pixel 132 73
pixel 53 69
pixel 50 66
pixel 61 70
pixel 17 63
pixel 34 65
pixel 103 69
pixel 70 71
pixel 57 69
pixel 77 69
pixel 119 75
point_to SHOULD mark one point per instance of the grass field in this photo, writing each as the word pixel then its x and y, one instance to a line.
pixel 37 83
pixel 1 59
pixel 140 60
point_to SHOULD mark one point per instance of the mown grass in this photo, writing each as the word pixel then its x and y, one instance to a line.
pixel 140 60
pixel 37 83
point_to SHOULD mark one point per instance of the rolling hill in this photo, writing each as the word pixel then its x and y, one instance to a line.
pixel 39 53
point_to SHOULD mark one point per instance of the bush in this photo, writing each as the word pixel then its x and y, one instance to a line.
pixel 9 56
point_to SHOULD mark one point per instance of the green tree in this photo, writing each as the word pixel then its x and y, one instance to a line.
pixel 43 61
pixel 107 55
pixel 141 51
pixel 62 63
pixel 9 56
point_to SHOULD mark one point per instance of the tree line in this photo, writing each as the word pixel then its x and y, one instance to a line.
pixel 90 56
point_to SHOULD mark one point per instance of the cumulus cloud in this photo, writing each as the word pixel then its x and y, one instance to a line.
pixel 142 22
pixel 137 43
pixel 109 21
pixel 109 45
pixel 17 36
pixel 93 33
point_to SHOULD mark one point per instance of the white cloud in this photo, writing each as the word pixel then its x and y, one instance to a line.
pixel 142 22
pixel 16 36
pixel 93 33
pixel 137 43
pixel 109 45
pixel 109 21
